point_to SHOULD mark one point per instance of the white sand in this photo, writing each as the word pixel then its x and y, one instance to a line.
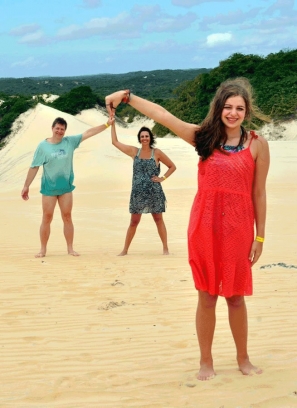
pixel 280 131
pixel 107 331
pixel 47 97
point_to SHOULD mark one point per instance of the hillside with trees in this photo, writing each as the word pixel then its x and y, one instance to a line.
pixel 274 80
pixel 10 109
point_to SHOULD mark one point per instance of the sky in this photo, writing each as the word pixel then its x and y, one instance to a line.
pixel 87 37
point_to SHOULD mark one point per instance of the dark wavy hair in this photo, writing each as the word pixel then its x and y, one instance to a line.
pixel 59 121
pixel 152 137
pixel 212 131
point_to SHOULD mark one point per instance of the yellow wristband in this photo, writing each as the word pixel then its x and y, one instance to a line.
pixel 259 239
pixel 107 125
pixel 164 177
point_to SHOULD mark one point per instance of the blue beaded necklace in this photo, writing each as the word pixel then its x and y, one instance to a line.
pixel 233 149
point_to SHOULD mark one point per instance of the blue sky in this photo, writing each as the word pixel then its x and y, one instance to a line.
pixel 83 37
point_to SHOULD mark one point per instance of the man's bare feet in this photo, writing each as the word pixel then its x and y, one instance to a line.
pixel 206 372
pixel 247 368
pixel 123 253
pixel 73 253
pixel 40 255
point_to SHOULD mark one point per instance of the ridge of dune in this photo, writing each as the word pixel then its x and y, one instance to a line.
pixel 90 116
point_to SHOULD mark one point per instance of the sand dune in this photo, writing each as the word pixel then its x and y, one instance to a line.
pixel 103 331
pixel 280 131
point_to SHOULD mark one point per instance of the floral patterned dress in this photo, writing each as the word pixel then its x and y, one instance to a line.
pixel 146 196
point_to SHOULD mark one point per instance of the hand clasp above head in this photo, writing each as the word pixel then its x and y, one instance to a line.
pixel 114 99
pixel 110 120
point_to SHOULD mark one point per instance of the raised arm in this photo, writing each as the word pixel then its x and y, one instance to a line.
pixel 30 177
pixel 184 130
pixel 97 129
pixel 259 195
pixel 127 149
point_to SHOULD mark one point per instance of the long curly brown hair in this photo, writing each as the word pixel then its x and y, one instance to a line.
pixel 212 131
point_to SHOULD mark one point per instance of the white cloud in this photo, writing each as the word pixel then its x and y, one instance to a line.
pixel 119 27
pixel 24 29
pixel 230 18
pixel 30 34
pixel 37 38
pixel 283 7
pixel 218 38
pixel 141 19
pixel 283 23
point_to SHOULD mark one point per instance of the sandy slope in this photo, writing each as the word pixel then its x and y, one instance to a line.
pixel 103 331
pixel 280 131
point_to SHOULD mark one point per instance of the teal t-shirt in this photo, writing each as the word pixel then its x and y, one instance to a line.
pixel 57 161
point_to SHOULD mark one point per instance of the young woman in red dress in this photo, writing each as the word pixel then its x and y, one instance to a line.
pixel 227 222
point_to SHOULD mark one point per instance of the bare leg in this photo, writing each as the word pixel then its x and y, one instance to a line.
pixel 205 326
pixel 239 327
pixel 158 218
pixel 65 202
pixel 48 206
pixel 135 220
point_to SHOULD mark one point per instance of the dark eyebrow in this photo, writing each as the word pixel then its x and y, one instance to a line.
pixel 238 106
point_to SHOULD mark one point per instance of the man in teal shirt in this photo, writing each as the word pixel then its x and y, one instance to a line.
pixel 55 154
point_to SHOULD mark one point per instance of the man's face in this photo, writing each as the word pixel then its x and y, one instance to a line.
pixel 58 131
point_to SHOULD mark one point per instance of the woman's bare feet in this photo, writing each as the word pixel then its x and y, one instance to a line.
pixel 165 252
pixel 73 253
pixel 40 255
pixel 206 372
pixel 247 368
pixel 123 253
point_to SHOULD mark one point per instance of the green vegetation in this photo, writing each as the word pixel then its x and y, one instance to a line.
pixel 76 100
pixel 10 108
pixel 274 80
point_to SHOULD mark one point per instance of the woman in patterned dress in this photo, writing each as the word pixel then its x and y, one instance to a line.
pixel 147 195
pixel 227 223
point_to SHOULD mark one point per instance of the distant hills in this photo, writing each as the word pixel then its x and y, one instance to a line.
pixel 149 84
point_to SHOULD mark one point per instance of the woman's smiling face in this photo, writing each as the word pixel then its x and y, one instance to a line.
pixel 144 137
pixel 234 111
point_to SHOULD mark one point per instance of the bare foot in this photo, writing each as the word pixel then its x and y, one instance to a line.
pixel 73 253
pixel 165 252
pixel 40 255
pixel 123 253
pixel 206 372
pixel 247 368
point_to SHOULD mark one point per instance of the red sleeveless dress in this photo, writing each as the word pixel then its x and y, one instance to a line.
pixel 221 226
